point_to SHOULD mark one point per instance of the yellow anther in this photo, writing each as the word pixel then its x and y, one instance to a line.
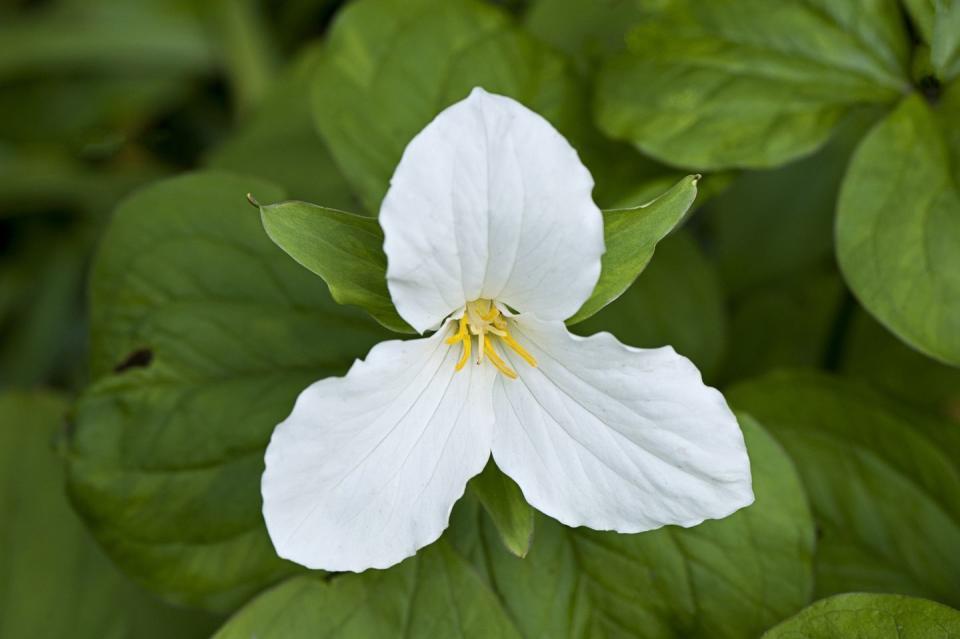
pixel 462 336
pixel 484 319
pixel 499 363
pixel 520 350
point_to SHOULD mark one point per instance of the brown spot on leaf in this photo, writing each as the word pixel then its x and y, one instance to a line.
pixel 139 358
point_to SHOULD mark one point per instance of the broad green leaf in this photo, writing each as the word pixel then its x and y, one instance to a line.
pixel 874 354
pixel 898 225
pixel 390 67
pixel 509 511
pixel 346 250
pixel 54 581
pixel 631 235
pixel 677 300
pixel 864 616
pixel 279 142
pixel 434 594
pixel 731 578
pixel 883 482
pixel 203 334
pixel 750 83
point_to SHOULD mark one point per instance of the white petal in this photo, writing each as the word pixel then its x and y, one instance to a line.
pixel 367 467
pixel 490 201
pixel 616 438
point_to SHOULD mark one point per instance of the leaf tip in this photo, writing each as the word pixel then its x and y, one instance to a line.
pixel 252 200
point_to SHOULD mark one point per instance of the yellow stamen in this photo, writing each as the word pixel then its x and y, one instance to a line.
pixel 499 363
pixel 519 350
pixel 462 336
pixel 484 319
pixel 459 335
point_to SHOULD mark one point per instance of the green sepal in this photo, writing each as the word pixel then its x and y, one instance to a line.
pixel 631 235
pixel 345 249
pixel 504 502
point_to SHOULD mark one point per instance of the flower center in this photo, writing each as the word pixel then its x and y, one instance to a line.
pixel 483 320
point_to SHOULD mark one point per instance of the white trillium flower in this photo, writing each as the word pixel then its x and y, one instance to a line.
pixel 493 240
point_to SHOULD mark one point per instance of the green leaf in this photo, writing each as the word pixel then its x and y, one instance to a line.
pixel 280 143
pixel 509 511
pixel 391 67
pixel 883 481
pixel 898 225
pixel 203 334
pixel 863 616
pixel 750 83
pixel 434 594
pixel 731 578
pixel 631 235
pixel 346 250
pixel 54 581
pixel 677 300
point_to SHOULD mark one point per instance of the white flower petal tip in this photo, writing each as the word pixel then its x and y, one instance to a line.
pixel 489 201
pixel 367 467
pixel 617 438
